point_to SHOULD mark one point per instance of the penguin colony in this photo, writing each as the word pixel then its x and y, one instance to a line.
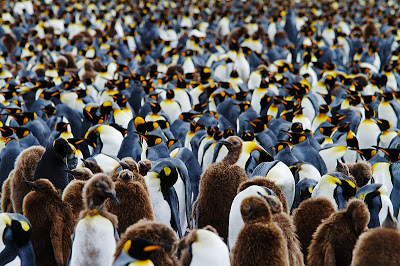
pixel 199 132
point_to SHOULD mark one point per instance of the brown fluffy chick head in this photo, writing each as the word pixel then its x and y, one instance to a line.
pixel 144 167
pixel 62 62
pixel 42 185
pixel 358 212
pixel 255 208
pixel 233 143
pixel 92 166
pixel 130 163
pixel 125 176
pixel 275 205
pixel 88 65
pixel 97 190
pixel 81 173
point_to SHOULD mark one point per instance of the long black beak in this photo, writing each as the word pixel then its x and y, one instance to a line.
pixel 124 165
pixel 113 197
pixel 223 142
pixel 34 186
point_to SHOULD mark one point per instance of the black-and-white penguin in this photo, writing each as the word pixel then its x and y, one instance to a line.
pixel 15 245
pixel 167 194
pixel 376 196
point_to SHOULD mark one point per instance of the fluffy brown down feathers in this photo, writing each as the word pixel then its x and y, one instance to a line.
pixel 25 166
pixel 260 241
pixel 307 217
pixel 335 238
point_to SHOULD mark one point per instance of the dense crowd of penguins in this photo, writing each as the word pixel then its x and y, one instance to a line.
pixel 199 132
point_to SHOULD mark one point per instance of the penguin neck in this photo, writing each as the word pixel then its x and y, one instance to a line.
pixel 233 156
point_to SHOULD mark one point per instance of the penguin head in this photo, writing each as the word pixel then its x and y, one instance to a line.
pixel 97 190
pixel 274 203
pixel 383 124
pixel 392 153
pixel 255 208
pixel 62 127
pixel 233 143
pixel 81 173
pixel 141 248
pixel 20 227
pixel 41 185
pixel 168 176
pixel 368 153
pixel 342 187
pixel 62 147
pixel 358 213
pixel 368 192
pixel 125 175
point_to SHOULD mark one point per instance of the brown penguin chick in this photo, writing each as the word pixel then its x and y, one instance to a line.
pixel 378 246
pixel 174 70
pixel 72 193
pixel 134 201
pixel 93 166
pixel 264 182
pixel 370 30
pixel 89 73
pixel 95 237
pixel 98 67
pixel 53 223
pixel 342 168
pixel 335 238
pixel 126 163
pixel 281 34
pixel 307 217
pixel 284 221
pixel 96 190
pixel 10 42
pixel 144 167
pixel 217 189
pixel 235 34
pixel 25 166
pixel 157 233
pixel 6 204
pixel 62 62
pixel 71 61
pixel 361 171
pixel 260 241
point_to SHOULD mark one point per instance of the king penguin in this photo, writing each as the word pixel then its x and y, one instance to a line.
pixel 95 233
pixel 155 232
pixel 52 222
pixel 203 247
pixel 137 251
pixel 16 246
pixel 213 204
pixel 376 197
pixel 235 218
pixel 54 163
pixel 261 241
pixel 336 237
pixel 336 187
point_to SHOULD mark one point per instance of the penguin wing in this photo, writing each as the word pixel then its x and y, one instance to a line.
pixel 27 255
pixel 116 236
pixel 188 192
pixel 183 172
pixel 9 253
